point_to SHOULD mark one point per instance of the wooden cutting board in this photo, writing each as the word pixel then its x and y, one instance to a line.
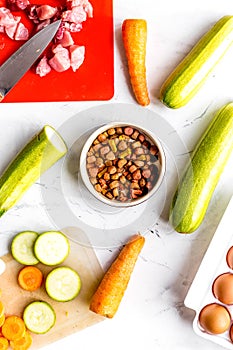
pixel 94 80
pixel 71 316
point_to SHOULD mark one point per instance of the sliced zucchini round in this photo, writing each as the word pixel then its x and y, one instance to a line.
pixel 51 248
pixel 39 317
pixel 22 247
pixel 63 284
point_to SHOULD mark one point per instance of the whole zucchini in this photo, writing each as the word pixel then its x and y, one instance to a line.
pixel 189 76
pixel 208 160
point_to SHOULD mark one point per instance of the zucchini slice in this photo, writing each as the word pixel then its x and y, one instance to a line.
pixel 63 284
pixel 22 248
pixel 39 317
pixel 51 248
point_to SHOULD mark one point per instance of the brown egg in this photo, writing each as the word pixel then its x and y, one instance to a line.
pixel 223 288
pixel 231 333
pixel 215 318
pixel 229 258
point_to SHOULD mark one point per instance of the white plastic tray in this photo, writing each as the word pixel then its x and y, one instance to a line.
pixel 213 264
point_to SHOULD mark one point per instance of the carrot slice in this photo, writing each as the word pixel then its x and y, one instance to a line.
pixel 111 289
pixel 2 320
pixel 30 278
pixel 2 308
pixel 134 34
pixel 13 328
pixel 23 343
pixel 3 343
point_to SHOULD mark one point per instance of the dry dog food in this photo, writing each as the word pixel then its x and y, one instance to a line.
pixel 123 164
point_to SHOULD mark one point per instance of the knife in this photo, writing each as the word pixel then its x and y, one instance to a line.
pixel 14 68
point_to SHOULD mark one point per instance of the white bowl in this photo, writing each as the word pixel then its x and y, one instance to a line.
pixel 114 202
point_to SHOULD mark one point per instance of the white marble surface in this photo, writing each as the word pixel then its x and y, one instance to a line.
pixel 152 314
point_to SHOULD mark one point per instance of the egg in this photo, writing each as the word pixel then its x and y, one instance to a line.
pixel 214 318
pixel 231 333
pixel 229 258
pixel 223 288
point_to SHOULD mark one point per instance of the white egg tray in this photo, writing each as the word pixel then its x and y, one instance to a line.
pixel 213 264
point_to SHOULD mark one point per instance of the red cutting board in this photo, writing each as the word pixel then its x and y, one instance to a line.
pixel 94 80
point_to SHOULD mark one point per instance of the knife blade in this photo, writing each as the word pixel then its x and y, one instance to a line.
pixel 14 68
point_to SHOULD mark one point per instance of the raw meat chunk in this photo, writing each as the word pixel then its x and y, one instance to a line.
pixel 61 60
pixel 76 15
pixel 32 13
pixel 6 17
pixel 42 24
pixel 21 32
pixel 77 54
pixel 43 68
pixel 84 3
pixel 10 30
pixel 45 12
pixel 75 27
pixel 66 39
pixel 12 25
pixel 15 5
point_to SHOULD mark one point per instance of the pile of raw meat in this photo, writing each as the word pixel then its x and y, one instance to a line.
pixel 65 53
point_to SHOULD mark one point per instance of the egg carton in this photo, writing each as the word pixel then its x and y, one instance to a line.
pixel 202 292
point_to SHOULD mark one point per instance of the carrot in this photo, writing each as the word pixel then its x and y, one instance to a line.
pixel 134 34
pixel 23 343
pixel 30 278
pixel 3 343
pixel 111 289
pixel 13 328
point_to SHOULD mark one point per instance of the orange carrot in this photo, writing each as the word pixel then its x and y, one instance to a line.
pixel 3 343
pixel 111 289
pixel 23 343
pixel 13 328
pixel 2 308
pixel 30 278
pixel 134 34
pixel 2 319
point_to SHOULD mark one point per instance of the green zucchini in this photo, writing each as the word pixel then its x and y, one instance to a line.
pixel 39 317
pixel 189 76
pixel 63 284
pixel 22 248
pixel 202 174
pixel 36 157
pixel 51 248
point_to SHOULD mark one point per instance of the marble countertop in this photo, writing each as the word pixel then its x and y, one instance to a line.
pixel 152 314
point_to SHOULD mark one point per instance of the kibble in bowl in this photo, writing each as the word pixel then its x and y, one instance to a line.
pixel 122 164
